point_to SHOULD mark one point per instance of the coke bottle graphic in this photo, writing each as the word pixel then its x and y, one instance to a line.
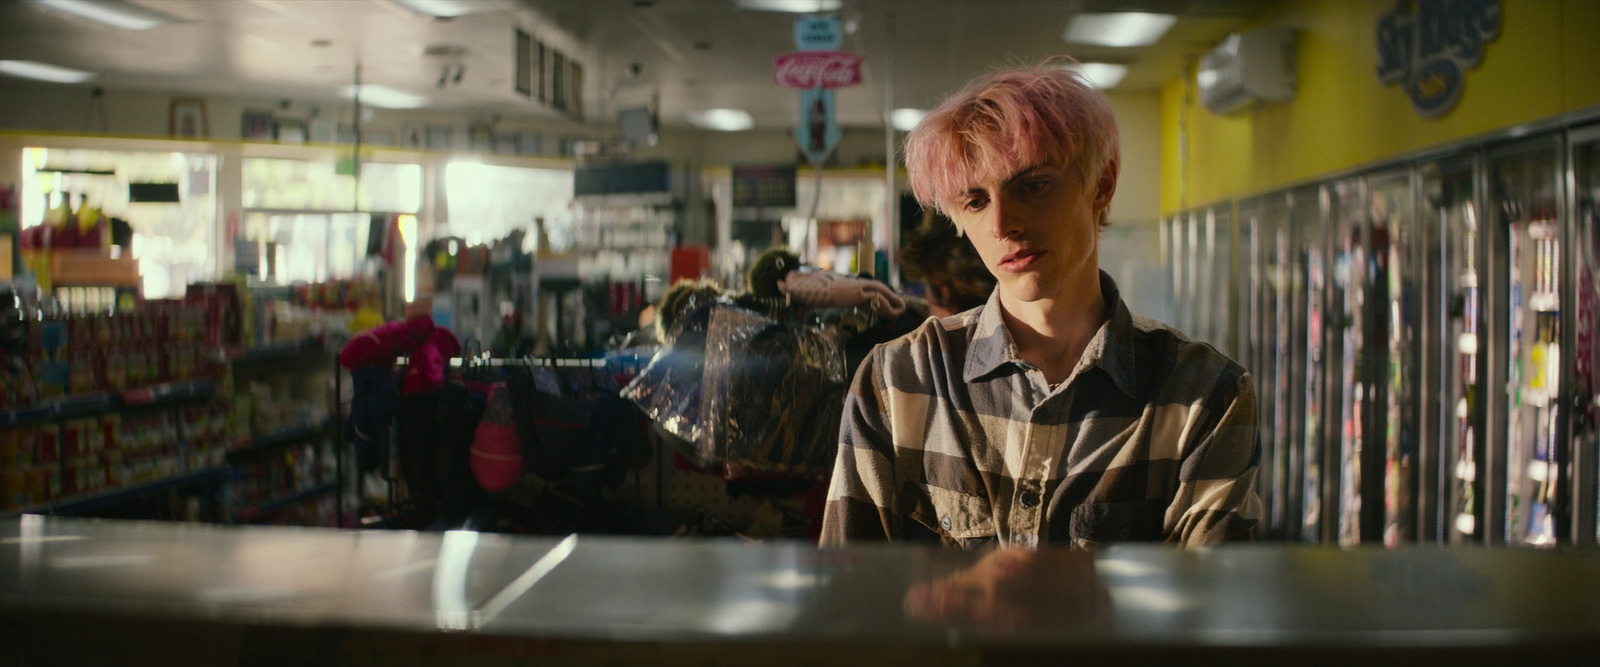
pixel 818 119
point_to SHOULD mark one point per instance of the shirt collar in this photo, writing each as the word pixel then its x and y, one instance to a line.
pixel 1111 349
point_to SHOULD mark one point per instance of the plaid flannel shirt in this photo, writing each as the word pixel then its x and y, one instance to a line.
pixel 948 435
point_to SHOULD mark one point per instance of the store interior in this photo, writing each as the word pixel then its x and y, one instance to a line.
pixel 272 263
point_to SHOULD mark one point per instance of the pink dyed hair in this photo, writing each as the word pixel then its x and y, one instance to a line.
pixel 1005 121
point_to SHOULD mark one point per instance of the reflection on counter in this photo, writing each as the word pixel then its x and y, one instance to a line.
pixel 399 597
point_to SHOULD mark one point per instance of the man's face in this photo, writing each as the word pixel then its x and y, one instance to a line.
pixel 1036 229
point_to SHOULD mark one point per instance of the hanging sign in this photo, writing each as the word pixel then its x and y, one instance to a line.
pixel 1427 51
pixel 820 33
pixel 818 69
pixel 818 132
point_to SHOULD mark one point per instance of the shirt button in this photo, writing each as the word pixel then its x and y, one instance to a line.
pixel 944 523
pixel 1030 499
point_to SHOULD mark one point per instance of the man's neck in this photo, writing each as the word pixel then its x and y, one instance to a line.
pixel 1052 333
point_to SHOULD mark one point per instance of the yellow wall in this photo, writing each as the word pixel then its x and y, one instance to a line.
pixel 1546 61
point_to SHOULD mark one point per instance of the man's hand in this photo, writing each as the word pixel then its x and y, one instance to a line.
pixel 1016 589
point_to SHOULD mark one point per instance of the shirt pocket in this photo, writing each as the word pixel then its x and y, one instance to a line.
pixel 1123 521
pixel 956 516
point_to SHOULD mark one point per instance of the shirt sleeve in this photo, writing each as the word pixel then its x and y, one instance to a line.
pixel 861 494
pixel 1216 499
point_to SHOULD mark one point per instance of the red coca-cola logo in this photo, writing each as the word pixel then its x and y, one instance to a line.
pixel 818 69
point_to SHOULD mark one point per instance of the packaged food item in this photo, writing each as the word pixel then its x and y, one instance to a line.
pixel 44 484
pixel 13 488
pixel 47 444
pixel 115 365
pixel 11 448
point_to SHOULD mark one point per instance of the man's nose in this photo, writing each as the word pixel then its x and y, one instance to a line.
pixel 1004 221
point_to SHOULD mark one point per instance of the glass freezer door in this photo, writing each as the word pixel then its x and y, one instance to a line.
pixel 1525 191
pixel 1310 358
pixel 1218 226
pixel 1351 352
pixel 1395 311
pixel 1585 147
pixel 1277 366
pixel 1182 281
pixel 1449 493
pixel 1252 353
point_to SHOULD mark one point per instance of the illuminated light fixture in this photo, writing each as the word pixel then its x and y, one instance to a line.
pixel 905 119
pixel 1101 75
pixel 28 69
pixel 1118 28
pixel 116 13
pixel 723 120
pixel 791 6
pixel 385 97
pixel 444 9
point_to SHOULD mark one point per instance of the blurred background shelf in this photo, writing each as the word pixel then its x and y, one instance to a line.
pixel 119 496
pixel 80 406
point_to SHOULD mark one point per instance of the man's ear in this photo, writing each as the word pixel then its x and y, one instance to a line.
pixel 1106 185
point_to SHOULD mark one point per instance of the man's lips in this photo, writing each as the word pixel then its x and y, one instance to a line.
pixel 1020 259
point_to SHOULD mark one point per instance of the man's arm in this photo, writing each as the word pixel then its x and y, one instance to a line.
pixel 861 495
pixel 1216 499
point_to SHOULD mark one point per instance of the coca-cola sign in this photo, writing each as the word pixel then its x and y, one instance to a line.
pixel 818 69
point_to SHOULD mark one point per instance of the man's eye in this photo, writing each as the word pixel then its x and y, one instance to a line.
pixel 975 204
pixel 1035 186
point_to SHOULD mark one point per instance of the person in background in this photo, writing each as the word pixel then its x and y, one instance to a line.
pixel 1050 414
pixel 936 256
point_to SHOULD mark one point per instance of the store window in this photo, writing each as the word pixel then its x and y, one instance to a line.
pixel 329 185
pixel 308 221
pixel 174 241
pixel 486 202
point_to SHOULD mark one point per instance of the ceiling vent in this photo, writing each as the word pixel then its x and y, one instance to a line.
pixel 1248 67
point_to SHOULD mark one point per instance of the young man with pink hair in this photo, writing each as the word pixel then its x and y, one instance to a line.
pixel 1049 415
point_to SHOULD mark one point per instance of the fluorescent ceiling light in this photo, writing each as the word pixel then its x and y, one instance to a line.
pixel 1118 28
pixel 385 97
pixel 905 119
pixel 725 120
pixel 125 15
pixel 444 9
pixel 792 6
pixel 28 69
pixel 1102 75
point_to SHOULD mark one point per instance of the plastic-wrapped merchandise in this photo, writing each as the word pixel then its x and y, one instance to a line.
pixel 668 389
pixel 772 394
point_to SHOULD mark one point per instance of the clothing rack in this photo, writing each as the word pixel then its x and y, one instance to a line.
pixel 559 362
pixel 574 362
pixel 465 365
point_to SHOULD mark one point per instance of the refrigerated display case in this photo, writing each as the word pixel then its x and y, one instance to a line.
pixel 1264 339
pixel 1277 367
pixel 1449 509
pixel 1217 320
pixel 1396 312
pixel 1251 351
pixel 1584 158
pixel 1527 467
pixel 1309 357
pixel 1349 399
pixel 1181 256
pixel 1200 255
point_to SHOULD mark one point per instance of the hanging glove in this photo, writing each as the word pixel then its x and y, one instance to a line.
pixel 828 289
